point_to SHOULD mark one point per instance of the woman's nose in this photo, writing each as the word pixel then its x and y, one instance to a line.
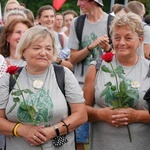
pixel 42 51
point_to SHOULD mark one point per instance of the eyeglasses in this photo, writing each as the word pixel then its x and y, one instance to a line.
pixel 7 10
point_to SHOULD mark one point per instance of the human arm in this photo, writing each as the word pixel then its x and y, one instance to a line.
pixel 64 62
pixel 78 55
pixel 26 131
pixel 147 51
pixel 74 97
pixel 146 42
pixel 78 116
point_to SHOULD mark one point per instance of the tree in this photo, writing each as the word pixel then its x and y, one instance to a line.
pixel 34 5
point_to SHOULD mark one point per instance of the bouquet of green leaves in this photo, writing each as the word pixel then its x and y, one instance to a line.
pixel 124 93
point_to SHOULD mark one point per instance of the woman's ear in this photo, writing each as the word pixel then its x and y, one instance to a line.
pixel 141 38
pixel 8 38
pixel 24 55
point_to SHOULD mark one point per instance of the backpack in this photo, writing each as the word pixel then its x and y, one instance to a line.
pixel 79 25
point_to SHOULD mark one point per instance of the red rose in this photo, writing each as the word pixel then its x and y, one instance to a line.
pixel 108 57
pixel 12 70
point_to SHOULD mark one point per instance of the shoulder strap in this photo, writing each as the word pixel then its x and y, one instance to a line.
pixel 98 64
pixel 79 24
pixel 12 81
pixel 109 20
pixel 61 40
pixel 148 72
pixel 60 77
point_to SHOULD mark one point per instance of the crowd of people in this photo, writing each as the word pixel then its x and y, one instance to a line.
pixel 56 84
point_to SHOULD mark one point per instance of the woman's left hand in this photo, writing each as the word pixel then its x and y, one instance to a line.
pixel 124 116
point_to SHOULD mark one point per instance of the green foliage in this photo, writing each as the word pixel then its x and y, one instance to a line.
pixel 16 99
pixel 34 5
pixel 121 95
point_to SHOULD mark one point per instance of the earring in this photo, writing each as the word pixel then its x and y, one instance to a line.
pixel 7 46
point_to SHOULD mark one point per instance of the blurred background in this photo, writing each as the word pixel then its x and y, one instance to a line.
pixel 34 5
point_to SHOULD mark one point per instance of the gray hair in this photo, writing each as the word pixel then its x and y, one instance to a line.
pixel 130 20
pixel 32 35
pixel 15 12
pixel 10 2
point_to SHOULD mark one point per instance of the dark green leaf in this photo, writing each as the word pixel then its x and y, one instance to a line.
pixel 12 108
pixel 24 107
pixel 131 95
pixel 113 88
pixel 121 76
pixel 112 74
pixel 119 70
pixel 16 99
pixel 109 97
pixel 17 93
pixel 115 104
pixel 32 111
pixel 123 86
pixel 105 69
pixel 28 91
pixel 108 84
pixel 104 91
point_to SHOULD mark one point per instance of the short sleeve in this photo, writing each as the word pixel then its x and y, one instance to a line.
pixel 4 90
pixel 73 91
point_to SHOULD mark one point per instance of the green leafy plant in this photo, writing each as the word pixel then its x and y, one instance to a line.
pixel 124 93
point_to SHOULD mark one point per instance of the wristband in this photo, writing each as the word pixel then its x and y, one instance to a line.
pixel 90 50
pixel 67 126
pixel 109 49
pixel 14 131
pixel 56 130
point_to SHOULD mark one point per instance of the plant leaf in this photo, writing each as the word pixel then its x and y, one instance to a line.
pixel 32 111
pixel 17 93
pixel 12 108
pixel 106 69
pixel 131 95
pixel 123 86
pixel 113 88
pixel 108 84
pixel 28 91
pixel 115 104
pixel 104 91
pixel 119 70
pixel 16 99
pixel 112 74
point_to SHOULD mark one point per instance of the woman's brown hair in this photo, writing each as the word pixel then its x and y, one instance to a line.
pixel 9 28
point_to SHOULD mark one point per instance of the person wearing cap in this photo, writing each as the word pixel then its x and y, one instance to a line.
pixel 93 35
